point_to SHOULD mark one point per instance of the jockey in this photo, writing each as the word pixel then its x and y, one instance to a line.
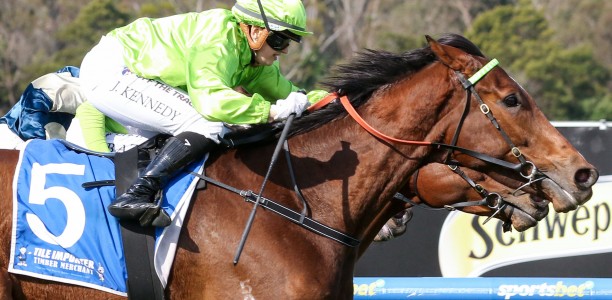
pixel 177 75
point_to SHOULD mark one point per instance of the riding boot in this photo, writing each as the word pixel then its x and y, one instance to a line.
pixel 173 157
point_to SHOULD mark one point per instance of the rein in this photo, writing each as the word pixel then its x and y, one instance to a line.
pixel 492 200
pixel 484 108
pixel 355 115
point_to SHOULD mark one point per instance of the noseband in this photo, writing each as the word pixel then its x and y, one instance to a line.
pixel 492 200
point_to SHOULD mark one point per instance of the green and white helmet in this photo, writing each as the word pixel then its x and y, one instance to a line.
pixel 280 14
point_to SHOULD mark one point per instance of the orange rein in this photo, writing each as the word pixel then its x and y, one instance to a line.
pixel 353 113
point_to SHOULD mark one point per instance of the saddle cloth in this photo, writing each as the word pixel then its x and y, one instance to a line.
pixel 63 232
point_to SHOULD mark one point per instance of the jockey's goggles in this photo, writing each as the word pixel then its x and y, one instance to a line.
pixel 279 40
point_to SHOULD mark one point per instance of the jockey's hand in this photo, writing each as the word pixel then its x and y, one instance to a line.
pixel 296 103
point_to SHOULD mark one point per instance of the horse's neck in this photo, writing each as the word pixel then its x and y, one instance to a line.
pixel 357 172
pixel 346 175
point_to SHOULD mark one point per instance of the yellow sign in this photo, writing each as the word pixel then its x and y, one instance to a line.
pixel 468 249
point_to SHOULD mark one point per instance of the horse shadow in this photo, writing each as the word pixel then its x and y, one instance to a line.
pixel 308 171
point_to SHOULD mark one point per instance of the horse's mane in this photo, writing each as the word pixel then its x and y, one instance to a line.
pixel 370 70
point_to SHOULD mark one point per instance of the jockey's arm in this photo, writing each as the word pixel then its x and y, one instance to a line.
pixel 89 128
pixel 272 85
pixel 214 95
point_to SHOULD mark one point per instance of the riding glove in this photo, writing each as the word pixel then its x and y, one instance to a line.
pixel 294 103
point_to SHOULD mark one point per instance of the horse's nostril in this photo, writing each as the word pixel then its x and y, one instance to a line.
pixel 586 177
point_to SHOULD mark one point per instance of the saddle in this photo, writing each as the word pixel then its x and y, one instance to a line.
pixel 257 134
pixel 138 240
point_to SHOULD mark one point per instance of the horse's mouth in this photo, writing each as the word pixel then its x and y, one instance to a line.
pixel 525 214
pixel 562 200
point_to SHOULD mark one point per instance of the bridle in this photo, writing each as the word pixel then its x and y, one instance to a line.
pixel 492 200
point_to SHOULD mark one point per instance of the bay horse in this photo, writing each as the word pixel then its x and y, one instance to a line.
pixel 348 175
pixel 449 189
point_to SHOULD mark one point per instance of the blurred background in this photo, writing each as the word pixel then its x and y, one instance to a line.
pixel 559 50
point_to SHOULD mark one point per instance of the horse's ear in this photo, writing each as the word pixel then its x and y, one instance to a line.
pixel 449 56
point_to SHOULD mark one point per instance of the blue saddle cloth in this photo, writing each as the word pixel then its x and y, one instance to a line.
pixel 63 232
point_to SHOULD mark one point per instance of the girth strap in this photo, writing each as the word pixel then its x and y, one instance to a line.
pixel 288 213
pixel 138 241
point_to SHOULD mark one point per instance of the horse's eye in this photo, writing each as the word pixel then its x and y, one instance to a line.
pixel 511 101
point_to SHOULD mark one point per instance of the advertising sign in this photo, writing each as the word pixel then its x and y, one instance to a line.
pixel 468 249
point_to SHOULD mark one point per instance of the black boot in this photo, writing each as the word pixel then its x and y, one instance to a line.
pixel 173 157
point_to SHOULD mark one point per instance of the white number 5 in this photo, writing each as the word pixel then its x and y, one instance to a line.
pixel 75 212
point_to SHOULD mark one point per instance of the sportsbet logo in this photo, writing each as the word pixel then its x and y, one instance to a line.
pixel 366 289
pixel 545 290
pixel 480 288
pixel 468 249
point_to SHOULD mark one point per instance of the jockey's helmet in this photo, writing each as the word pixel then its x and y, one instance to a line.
pixel 281 15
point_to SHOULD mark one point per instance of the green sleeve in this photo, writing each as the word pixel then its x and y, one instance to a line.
pixel 94 127
pixel 212 72
pixel 315 96
pixel 114 126
pixel 272 85
pixel 268 82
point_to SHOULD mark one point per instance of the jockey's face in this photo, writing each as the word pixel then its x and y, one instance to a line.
pixel 265 56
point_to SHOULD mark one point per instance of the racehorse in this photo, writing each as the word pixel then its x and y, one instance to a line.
pixel 348 174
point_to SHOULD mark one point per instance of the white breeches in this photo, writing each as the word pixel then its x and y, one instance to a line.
pixel 149 105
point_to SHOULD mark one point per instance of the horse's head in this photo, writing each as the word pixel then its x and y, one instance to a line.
pixel 438 185
pixel 502 121
pixel 443 103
